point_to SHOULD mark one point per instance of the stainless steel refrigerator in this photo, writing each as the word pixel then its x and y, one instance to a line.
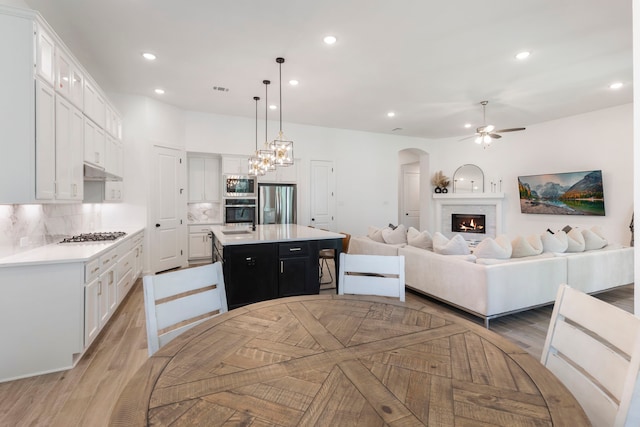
pixel 277 204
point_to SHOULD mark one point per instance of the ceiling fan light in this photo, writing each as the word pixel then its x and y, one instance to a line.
pixel 478 140
pixel 486 139
pixel 489 128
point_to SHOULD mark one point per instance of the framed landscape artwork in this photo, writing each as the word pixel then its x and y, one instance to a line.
pixel 570 193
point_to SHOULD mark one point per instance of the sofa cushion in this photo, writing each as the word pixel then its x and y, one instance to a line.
pixel 575 240
pixel 593 239
pixel 526 246
pixel 419 239
pixel 498 248
pixel 456 246
pixel 556 242
pixel 395 236
pixel 375 234
pixel 494 261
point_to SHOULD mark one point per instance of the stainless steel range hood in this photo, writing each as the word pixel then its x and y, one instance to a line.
pixel 94 173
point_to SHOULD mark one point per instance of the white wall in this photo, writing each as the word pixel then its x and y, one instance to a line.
pixel 636 139
pixel 598 140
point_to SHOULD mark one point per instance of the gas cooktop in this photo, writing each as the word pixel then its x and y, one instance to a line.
pixel 94 237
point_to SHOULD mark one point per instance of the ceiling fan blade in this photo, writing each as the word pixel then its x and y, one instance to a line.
pixel 509 130
pixel 467 137
pixel 495 136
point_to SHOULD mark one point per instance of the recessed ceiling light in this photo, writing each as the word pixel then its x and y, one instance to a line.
pixel 391 114
pixel 330 39
pixel 148 56
pixel 293 82
pixel 616 85
pixel 159 91
pixel 467 125
pixel 273 107
pixel 523 55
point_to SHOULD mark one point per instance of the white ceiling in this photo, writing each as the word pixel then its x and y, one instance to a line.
pixel 431 62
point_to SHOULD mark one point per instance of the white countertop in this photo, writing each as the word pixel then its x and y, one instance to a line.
pixel 65 252
pixel 270 233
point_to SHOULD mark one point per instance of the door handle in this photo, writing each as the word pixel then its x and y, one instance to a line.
pixel 157 225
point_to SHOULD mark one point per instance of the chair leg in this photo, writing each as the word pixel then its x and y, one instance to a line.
pixel 323 263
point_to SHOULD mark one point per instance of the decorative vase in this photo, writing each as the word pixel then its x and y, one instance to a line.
pixel 444 190
pixel 438 190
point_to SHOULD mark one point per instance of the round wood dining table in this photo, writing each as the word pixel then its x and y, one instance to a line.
pixel 334 360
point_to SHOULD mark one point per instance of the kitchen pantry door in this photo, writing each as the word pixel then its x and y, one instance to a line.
pixel 168 201
pixel 323 191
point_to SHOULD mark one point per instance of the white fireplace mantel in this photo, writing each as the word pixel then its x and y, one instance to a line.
pixel 492 201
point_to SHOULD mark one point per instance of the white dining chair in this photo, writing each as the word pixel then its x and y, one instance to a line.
pixel 179 300
pixel 371 275
pixel 594 348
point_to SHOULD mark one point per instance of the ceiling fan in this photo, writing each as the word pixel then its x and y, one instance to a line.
pixel 486 133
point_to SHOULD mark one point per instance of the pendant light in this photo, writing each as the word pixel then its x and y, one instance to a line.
pixel 266 155
pixel 282 147
pixel 254 161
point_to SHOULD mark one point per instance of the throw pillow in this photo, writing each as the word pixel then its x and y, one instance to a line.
pixel 529 246
pixel 499 248
pixel 593 239
pixel 557 242
pixel 456 246
pixel 575 240
pixel 395 236
pixel 422 240
pixel 375 234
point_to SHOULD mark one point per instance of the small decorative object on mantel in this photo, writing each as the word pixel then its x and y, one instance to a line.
pixel 441 182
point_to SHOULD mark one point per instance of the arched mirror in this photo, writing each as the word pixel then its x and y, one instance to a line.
pixel 468 179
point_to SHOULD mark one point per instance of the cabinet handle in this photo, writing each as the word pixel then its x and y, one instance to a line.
pixel 281 267
pixel 100 287
pixel 294 249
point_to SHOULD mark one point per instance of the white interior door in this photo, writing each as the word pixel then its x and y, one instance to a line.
pixel 322 194
pixel 168 236
pixel 410 206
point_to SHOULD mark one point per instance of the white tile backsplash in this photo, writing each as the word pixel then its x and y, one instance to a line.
pixel 38 225
pixel 204 213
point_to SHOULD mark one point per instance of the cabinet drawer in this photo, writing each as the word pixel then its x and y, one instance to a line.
pixel 199 229
pixel 126 264
pixel 108 259
pixel 293 249
pixel 91 270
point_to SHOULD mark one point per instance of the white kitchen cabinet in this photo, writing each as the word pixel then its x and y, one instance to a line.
pixel 94 104
pixel 204 179
pixel 45 146
pixel 113 123
pixel 199 242
pixel 114 153
pixel 91 311
pixel 94 143
pixel 68 151
pixel 235 165
pixel 69 78
pixel 125 272
pixel 45 54
pixel 34 62
pixel 113 191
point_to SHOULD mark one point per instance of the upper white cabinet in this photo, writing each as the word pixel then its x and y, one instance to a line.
pixel 113 156
pixel 204 178
pixel 94 104
pixel 94 144
pixel 236 165
pixel 69 79
pixel 69 149
pixel 45 54
pixel 45 144
pixel 42 147
pixel 113 123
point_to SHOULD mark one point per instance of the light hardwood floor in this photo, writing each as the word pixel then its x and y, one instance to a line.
pixel 85 395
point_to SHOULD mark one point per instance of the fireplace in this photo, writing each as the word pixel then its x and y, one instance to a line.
pixel 468 223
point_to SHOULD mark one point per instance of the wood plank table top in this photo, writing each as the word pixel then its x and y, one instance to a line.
pixel 336 360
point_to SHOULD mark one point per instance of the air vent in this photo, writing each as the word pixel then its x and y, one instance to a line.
pixel 221 89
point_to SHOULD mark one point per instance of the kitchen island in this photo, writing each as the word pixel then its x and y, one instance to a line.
pixel 275 260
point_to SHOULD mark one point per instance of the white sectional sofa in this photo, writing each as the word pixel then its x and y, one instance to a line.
pixel 498 287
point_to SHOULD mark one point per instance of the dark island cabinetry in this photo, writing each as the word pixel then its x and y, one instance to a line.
pixel 268 263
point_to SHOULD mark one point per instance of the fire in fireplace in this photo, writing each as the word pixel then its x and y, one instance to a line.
pixel 467 223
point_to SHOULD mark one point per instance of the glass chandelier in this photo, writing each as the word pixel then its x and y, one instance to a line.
pixel 281 147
